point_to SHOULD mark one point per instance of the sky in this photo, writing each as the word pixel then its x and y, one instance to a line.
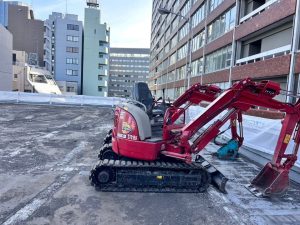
pixel 129 20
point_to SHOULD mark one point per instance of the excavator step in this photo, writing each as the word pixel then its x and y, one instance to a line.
pixel 141 176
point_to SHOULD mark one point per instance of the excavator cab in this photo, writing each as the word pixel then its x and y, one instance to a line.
pixel 141 93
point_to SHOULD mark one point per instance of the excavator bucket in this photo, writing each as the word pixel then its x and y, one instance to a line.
pixel 270 181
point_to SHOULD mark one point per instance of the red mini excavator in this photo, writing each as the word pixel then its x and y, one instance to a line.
pixel 135 159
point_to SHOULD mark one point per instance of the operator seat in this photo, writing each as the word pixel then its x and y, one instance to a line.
pixel 141 93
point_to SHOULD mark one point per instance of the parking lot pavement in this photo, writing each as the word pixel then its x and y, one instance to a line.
pixel 46 153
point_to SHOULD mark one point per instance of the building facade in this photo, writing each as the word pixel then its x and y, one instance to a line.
pixel 230 40
pixel 96 49
pixel 27 32
pixel 63 38
pixel 127 66
pixel 4 10
pixel 6 67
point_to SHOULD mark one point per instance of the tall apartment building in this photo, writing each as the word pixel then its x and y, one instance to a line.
pixel 6 67
pixel 230 40
pixel 127 66
pixel 63 50
pixel 96 48
pixel 27 32
pixel 4 10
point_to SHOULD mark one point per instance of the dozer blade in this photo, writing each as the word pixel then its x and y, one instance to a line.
pixel 218 180
pixel 270 181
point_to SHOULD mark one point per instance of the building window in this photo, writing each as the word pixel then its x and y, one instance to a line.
pixel 73 27
pixel 173 42
pixel 72 61
pixel 168 32
pixel 175 23
pixel 72 38
pixel 182 52
pixel 100 55
pixel 173 58
pixel 218 60
pixel 197 67
pixel 100 77
pixel 14 58
pixel 214 4
pixel 183 31
pixel 198 41
pixel 99 88
pixel 70 72
pixel 198 16
pixel 100 66
pixel 221 25
pixel 180 73
pixel 73 49
pixel 70 89
pixel 186 8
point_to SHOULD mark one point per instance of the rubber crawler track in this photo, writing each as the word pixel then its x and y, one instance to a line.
pixel 143 167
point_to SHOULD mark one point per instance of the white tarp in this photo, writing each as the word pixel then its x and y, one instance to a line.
pixel 260 134
pixel 22 97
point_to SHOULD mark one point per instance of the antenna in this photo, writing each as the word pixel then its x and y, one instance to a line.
pixel 66 6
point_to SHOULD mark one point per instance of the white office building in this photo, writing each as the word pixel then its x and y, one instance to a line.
pixel 63 51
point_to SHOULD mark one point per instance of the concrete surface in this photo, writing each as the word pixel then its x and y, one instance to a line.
pixel 46 153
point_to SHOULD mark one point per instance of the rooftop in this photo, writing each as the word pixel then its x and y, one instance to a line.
pixel 48 151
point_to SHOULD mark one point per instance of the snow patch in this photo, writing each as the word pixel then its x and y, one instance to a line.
pixel 25 212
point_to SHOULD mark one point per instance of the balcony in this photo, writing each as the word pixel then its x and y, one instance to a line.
pixel 257 11
pixel 103 72
pixel 103 61
pixel 103 49
pixel 102 83
pixel 106 38
pixel 284 50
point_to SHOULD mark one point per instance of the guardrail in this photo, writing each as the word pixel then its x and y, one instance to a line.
pixel 52 99
pixel 257 11
pixel 267 54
